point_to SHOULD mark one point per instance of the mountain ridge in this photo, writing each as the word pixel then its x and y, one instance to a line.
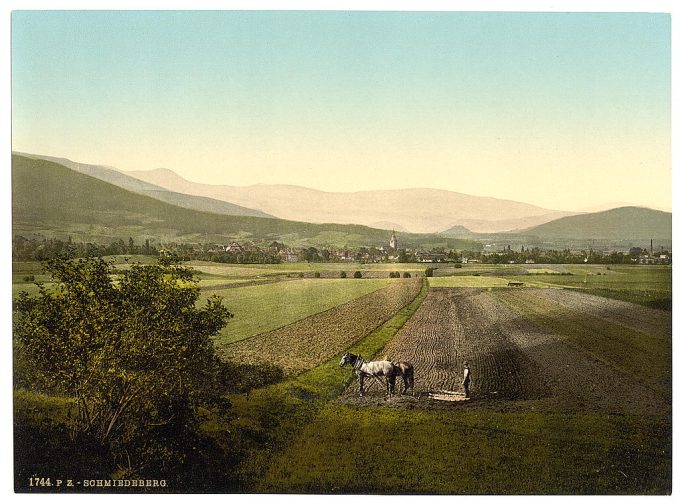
pixel 53 200
pixel 631 222
pixel 420 210
pixel 121 179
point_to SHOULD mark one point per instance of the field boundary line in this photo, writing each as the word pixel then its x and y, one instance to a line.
pixel 308 316
pixel 286 413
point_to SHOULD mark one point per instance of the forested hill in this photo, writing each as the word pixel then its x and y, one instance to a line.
pixel 626 223
pixel 50 198
pixel 132 184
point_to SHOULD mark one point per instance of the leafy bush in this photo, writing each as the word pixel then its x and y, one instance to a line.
pixel 240 378
pixel 458 265
pixel 317 274
pixel 135 355
pixel 407 274
pixel 357 274
pixel 429 272
pixel 343 274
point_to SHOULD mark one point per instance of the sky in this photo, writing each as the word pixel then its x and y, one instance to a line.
pixel 565 111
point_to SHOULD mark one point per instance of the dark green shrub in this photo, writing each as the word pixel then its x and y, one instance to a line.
pixel 357 274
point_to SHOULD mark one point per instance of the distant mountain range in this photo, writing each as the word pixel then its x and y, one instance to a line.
pixel 627 223
pixel 56 196
pixel 53 200
pixel 633 225
pixel 415 210
pixel 120 179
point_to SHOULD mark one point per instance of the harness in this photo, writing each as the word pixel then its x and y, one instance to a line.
pixel 358 362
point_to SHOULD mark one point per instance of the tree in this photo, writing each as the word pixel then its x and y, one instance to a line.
pixel 357 274
pixel 343 274
pixel 429 272
pixel 135 354
pixel 311 254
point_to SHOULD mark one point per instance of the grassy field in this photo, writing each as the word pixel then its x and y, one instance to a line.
pixel 646 285
pixel 261 308
pixel 299 436
pixel 385 450
pixel 267 420
pixel 249 270
pixel 515 447
pixel 473 281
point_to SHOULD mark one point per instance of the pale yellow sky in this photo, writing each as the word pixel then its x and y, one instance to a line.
pixel 561 110
pixel 574 172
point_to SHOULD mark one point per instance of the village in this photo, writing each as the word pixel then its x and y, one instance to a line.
pixel 42 248
pixel 392 252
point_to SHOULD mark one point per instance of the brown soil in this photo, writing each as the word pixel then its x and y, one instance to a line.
pixel 312 341
pixel 632 316
pixel 515 365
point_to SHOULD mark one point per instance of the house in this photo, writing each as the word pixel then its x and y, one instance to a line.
pixel 430 256
pixel 249 247
pixel 234 248
pixel 289 255
pixel 647 259
pixel 344 255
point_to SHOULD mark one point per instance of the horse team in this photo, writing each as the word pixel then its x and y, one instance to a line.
pixel 380 369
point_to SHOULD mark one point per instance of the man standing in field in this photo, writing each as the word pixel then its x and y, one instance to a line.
pixel 466 379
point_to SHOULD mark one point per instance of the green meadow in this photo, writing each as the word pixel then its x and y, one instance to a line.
pixel 473 281
pixel 293 436
pixel 386 450
pixel 262 308
pixel 646 285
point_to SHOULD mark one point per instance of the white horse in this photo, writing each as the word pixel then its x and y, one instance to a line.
pixel 373 369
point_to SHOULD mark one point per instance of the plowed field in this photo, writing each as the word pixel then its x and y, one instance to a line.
pixel 535 349
pixel 312 341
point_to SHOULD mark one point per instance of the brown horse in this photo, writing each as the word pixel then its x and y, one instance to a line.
pixel 405 370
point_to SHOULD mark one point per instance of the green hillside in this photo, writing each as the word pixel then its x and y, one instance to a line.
pixel 129 183
pixel 626 223
pixel 53 200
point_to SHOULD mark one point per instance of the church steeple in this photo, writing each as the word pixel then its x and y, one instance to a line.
pixel 393 241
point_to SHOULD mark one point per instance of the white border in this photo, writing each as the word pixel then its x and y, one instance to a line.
pixel 6 454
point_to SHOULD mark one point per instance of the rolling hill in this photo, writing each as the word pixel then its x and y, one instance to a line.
pixel 415 210
pixel 626 223
pixel 53 200
pixel 120 179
